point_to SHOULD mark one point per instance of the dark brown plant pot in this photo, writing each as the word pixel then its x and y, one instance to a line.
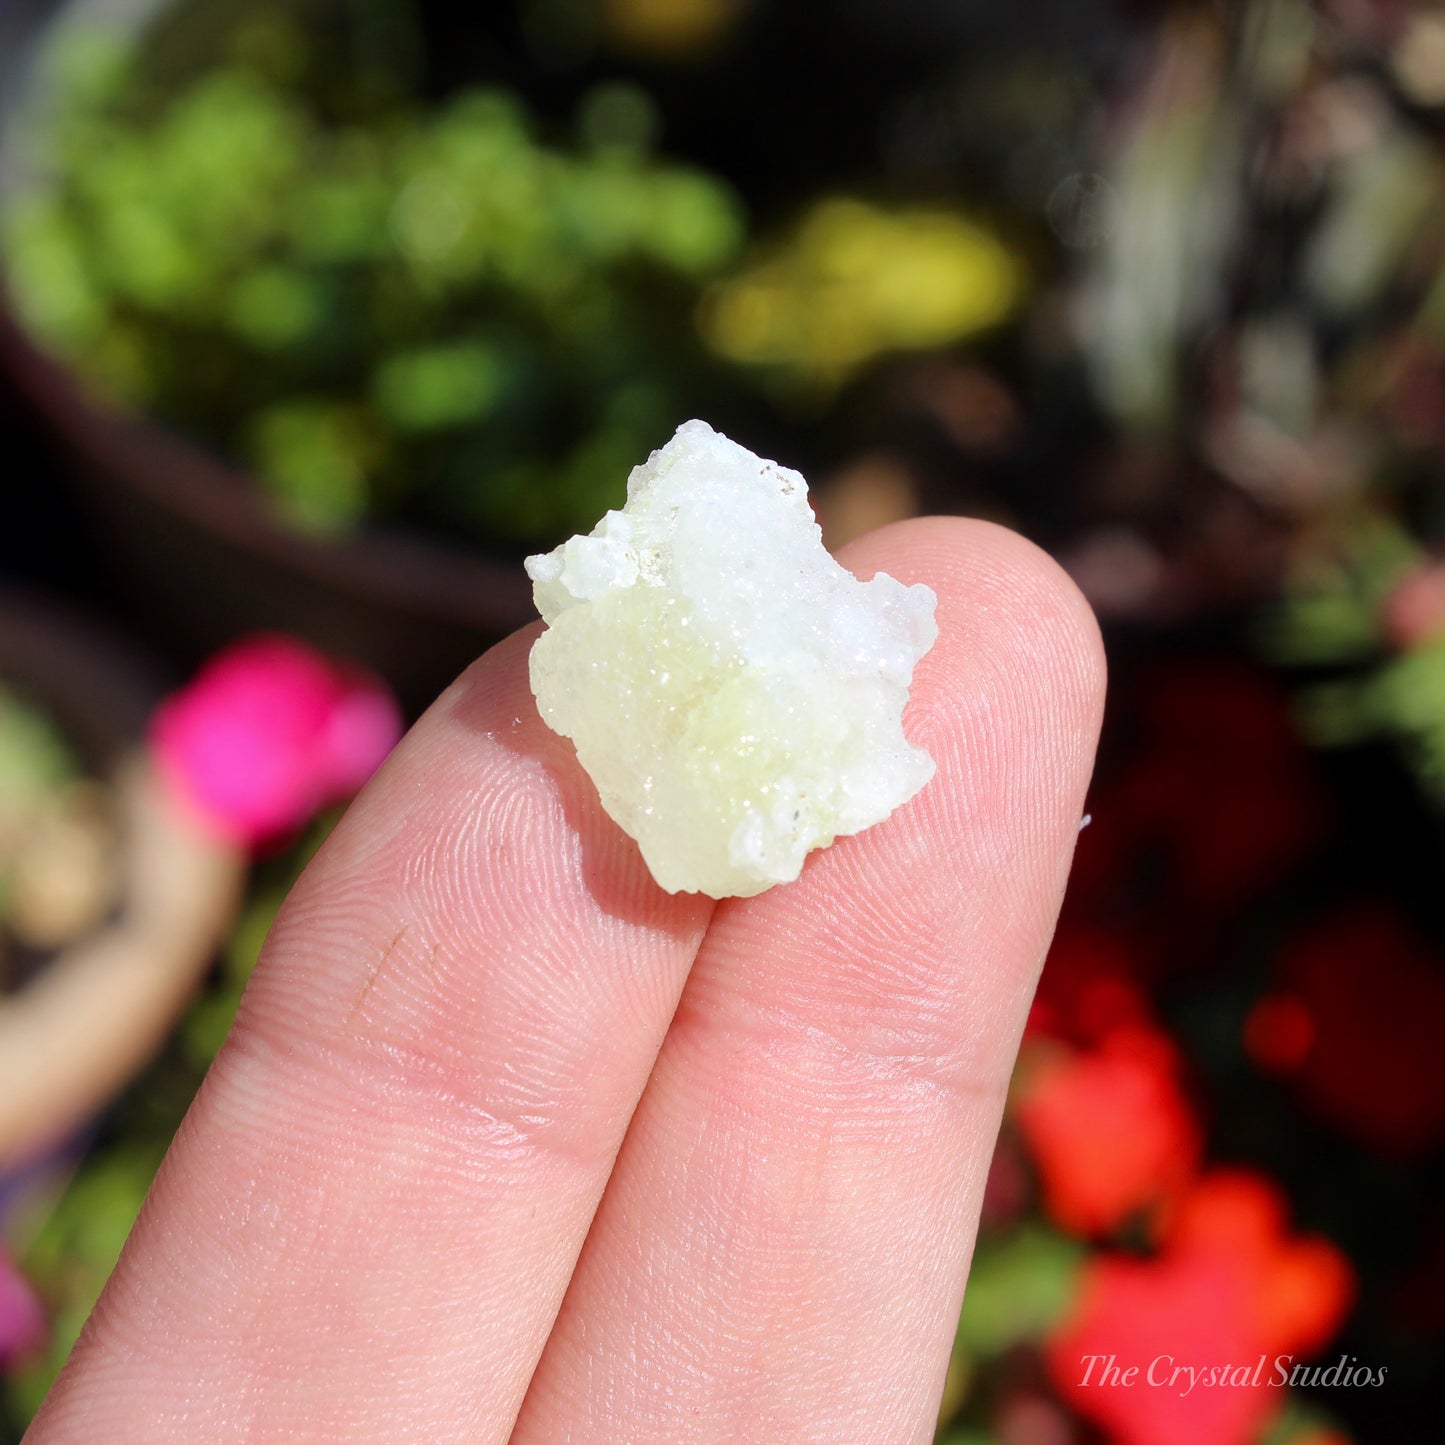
pixel 195 544
pixel 191 539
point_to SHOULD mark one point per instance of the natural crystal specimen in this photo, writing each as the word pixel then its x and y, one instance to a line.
pixel 733 692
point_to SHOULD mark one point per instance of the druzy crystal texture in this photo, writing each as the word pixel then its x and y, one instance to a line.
pixel 734 693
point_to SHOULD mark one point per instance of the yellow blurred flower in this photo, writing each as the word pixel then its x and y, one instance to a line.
pixel 669 26
pixel 855 281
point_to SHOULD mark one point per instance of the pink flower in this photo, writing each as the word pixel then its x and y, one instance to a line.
pixel 22 1320
pixel 1414 611
pixel 269 732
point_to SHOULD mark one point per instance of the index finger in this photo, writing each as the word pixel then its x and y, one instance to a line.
pixel 365 1225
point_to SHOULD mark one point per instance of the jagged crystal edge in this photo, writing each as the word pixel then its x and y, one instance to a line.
pixel 734 693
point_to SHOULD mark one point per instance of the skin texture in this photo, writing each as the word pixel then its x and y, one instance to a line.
pixel 384 1217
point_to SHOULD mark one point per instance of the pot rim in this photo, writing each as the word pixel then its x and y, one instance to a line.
pixel 428 578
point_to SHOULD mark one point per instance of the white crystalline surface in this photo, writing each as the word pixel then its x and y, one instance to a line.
pixel 734 693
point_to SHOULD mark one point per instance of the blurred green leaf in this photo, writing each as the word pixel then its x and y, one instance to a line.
pixel 408 270
pixel 275 307
pixel 315 458
pixel 34 757
pixel 1323 627
pixel 76 1249
pixel 439 386
pixel 1018 1288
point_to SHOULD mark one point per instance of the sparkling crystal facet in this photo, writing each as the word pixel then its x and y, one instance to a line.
pixel 734 693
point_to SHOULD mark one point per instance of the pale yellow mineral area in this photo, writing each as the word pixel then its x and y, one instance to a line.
pixel 734 693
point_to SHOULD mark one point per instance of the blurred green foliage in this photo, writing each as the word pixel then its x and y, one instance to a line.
pixel 1020 1285
pixel 386 309
pixel 1332 613
pixel 1369 612
pixel 34 758
pixel 1018 1288
pixel 76 1249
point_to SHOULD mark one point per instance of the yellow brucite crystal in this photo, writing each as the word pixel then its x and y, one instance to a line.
pixel 734 693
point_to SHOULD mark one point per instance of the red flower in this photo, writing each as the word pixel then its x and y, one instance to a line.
pixel 1279 1033
pixel 1089 988
pixel 1372 993
pixel 1204 1325
pixel 1300 1288
pixel 269 732
pixel 1109 1128
pixel 1217 801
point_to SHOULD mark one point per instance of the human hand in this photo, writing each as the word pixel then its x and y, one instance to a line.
pixel 508 1144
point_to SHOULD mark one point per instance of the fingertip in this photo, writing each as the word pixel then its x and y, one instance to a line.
pixel 989 576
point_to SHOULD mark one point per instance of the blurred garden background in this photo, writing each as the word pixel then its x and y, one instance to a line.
pixel 319 314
